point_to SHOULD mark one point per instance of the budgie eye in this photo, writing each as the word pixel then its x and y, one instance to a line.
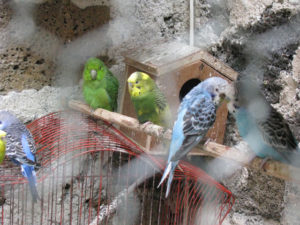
pixel 137 82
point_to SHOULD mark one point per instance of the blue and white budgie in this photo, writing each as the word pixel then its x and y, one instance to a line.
pixel 261 126
pixel 196 114
pixel 20 148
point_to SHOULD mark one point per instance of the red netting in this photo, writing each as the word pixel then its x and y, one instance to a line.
pixel 92 174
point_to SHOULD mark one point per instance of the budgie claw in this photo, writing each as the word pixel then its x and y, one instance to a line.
pixel 146 124
pixel 92 111
pixel 207 141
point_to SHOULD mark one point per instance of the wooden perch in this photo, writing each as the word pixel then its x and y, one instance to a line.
pixel 107 211
pixel 271 167
pixel 125 121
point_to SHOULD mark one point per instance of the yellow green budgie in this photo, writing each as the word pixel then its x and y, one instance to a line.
pixel 2 145
pixel 149 102
pixel 100 87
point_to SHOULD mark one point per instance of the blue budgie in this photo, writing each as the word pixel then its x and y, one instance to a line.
pixel 261 126
pixel 20 148
pixel 196 115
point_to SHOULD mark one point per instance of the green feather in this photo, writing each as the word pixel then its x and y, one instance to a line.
pixel 149 102
pixel 100 91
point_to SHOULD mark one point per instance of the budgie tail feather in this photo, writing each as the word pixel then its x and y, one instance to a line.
pixel 168 171
pixel 29 173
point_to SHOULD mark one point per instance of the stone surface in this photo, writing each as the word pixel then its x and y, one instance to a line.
pixel 244 12
pixel 290 214
pixel 21 69
pixel 296 66
pixel 256 194
pixel 289 102
pixel 5 13
pixel 242 219
pixel 31 104
pixel 67 21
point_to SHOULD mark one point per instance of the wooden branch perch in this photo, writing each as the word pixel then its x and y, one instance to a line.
pixel 124 121
pixel 271 167
pixel 109 210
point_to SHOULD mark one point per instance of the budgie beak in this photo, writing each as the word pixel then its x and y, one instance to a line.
pixel 93 74
pixel 2 133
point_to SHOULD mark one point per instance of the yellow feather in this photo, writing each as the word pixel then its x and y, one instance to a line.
pixel 2 146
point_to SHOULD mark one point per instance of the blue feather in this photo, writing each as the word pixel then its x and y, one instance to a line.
pixel 177 135
pixel 20 148
pixel 29 173
pixel 196 115
pixel 26 148
pixel 261 126
pixel 250 132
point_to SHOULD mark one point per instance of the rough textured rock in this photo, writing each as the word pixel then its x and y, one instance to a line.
pixel 289 102
pixel 243 13
pixel 67 21
pixel 32 104
pixel 290 214
pixel 273 75
pixel 256 194
pixel 242 219
pixel 296 66
pixel 254 13
pixel 5 13
pixel 21 66
pixel 21 69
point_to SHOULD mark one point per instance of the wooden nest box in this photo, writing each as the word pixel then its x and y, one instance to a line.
pixel 176 68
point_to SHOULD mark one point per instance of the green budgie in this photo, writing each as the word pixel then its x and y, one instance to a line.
pixel 100 87
pixel 2 145
pixel 149 102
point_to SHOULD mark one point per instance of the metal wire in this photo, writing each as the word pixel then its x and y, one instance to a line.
pixel 93 174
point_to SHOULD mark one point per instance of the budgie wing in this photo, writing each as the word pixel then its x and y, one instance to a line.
pixel 162 108
pixel 30 140
pixel 160 99
pixel 14 150
pixel 112 89
pixel 26 148
pixel 199 117
pixel 276 132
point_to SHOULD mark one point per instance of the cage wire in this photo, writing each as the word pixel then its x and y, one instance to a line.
pixel 93 174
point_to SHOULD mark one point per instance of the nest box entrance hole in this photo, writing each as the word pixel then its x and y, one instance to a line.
pixel 187 86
